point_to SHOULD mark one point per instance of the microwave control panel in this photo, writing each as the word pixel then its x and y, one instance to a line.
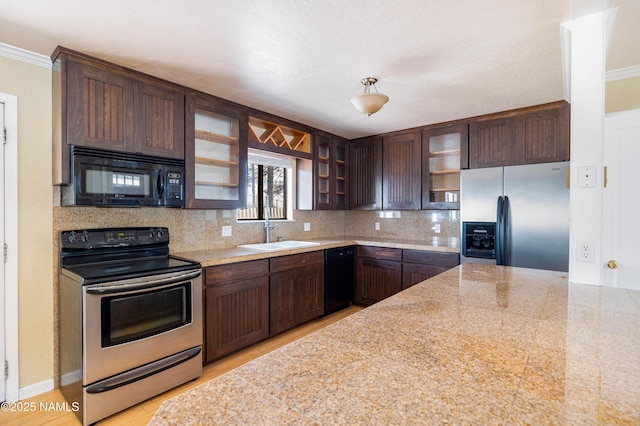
pixel 174 187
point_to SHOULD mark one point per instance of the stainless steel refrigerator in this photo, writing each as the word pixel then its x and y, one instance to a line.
pixel 529 206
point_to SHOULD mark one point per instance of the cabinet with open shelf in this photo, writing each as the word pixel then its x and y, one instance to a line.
pixel 341 173
pixel 331 172
pixel 216 155
pixel 443 150
pixel 279 138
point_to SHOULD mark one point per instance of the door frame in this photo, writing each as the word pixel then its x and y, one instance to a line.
pixel 610 229
pixel 12 383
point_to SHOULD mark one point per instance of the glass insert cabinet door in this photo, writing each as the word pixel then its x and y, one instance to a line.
pixel 442 151
pixel 216 156
pixel 323 172
pixel 331 173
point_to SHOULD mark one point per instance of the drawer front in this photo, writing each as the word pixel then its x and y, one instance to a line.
pixel 379 253
pixel 220 274
pixel 296 260
pixel 431 257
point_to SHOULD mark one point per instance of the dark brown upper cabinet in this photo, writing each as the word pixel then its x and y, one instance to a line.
pixel 215 154
pixel 537 134
pixel 101 105
pixel 331 172
pixel 159 120
pixel 545 134
pixel 444 153
pixel 491 142
pixel 365 173
pixel 401 172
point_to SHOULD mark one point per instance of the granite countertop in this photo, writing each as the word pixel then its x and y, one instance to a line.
pixel 478 344
pixel 222 256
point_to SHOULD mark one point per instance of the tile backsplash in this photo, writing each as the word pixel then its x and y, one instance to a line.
pixel 202 229
pixel 403 224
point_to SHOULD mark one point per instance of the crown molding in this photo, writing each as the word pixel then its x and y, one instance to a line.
pixel 622 73
pixel 23 55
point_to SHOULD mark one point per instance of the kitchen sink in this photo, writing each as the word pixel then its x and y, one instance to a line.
pixel 280 245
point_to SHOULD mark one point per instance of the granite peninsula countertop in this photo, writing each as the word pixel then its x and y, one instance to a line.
pixel 220 256
pixel 477 344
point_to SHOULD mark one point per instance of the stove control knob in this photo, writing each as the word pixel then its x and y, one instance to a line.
pixel 85 237
pixel 152 234
pixel 73 237
pixel 160 233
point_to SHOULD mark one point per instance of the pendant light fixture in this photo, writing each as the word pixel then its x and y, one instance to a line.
pixel 367 102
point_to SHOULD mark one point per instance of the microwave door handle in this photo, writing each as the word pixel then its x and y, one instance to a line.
pixel 160 184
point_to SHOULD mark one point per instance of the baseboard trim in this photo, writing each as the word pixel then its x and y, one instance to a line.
pixel 36 389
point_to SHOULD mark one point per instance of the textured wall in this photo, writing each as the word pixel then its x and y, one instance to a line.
pixel 32 85
pixel 622 95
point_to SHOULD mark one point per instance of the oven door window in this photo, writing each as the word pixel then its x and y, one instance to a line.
pixel 126 318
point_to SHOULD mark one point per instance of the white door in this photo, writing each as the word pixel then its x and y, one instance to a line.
pixel 9 384
pixel 621 200
pixel 2 240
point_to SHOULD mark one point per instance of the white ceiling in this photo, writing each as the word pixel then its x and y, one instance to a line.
pixel 437 60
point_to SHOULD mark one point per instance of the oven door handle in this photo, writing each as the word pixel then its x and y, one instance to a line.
pixel 144 371
pixel 141 284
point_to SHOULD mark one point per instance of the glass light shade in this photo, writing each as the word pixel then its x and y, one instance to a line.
pixel 369 103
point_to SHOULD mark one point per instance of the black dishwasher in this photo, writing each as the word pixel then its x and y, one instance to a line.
pixel 338 278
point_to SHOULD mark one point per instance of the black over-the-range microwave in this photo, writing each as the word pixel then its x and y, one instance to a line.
pixel 120 179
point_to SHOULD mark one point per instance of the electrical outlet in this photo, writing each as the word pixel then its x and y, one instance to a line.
pixel 377 226
pixel 307 226
pixel 436 228
pixel 585 251
pixel 226 231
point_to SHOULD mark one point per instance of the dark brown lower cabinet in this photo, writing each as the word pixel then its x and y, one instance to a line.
pixel 383 272
pixel 247 302
pixel 296 290
pixel 236 307
pixel 419 265
pixel 378 274
pixel 414 273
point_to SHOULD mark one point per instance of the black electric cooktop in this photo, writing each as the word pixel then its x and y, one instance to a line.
pixel 94 273
pixel 112 254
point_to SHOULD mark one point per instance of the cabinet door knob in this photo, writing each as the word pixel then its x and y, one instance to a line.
pixel 612 264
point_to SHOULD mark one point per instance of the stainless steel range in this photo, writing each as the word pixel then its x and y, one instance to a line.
pixel 130 318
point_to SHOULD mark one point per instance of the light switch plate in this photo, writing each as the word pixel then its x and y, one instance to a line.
pixel 587 177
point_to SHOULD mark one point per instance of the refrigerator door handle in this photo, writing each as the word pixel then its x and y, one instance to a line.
pixel 506 232
pixel 498 242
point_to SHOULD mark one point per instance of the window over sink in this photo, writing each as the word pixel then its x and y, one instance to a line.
pixel 269 180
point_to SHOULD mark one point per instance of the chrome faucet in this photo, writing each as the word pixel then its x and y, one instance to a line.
pixel 267 226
